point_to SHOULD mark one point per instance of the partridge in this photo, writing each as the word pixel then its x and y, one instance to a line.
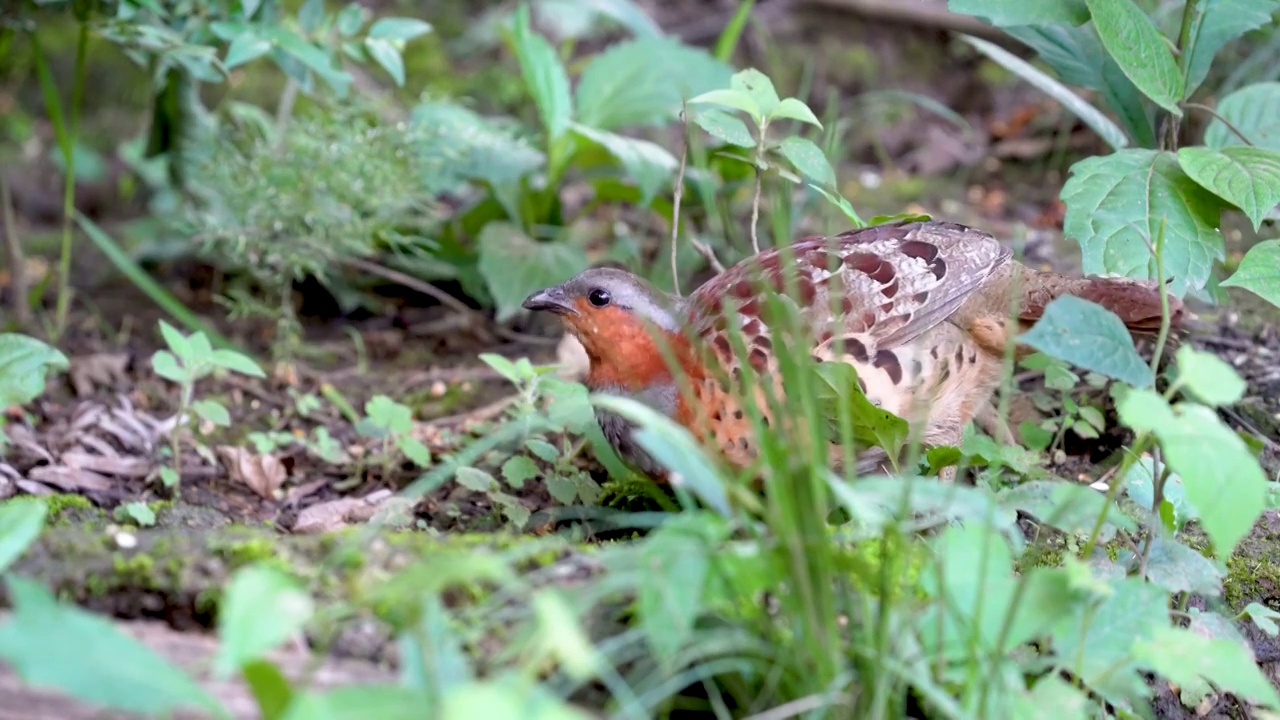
pixel 919 309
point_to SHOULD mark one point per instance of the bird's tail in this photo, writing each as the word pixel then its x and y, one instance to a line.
pixel 1138 303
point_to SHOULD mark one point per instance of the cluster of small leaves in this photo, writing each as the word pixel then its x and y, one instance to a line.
pixel 392 423
pixel 1117 203
pixel 188 360
pixel 1067 410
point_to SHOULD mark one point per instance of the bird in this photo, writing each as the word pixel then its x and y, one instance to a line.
pixel 921 310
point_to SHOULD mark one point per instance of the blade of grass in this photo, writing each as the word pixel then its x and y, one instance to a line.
pixel 728 41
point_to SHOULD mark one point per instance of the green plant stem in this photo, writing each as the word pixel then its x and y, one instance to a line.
pixel 1184 35
pixel 175 437
pixel 14 259
pixel 675 202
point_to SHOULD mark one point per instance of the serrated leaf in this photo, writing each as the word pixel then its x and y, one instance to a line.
pixel 398 28
pixel 1209 377
pixel 562 489
pixel 1253 110
pixel 260 608
pixel 455 144
pixel 1023 12
pixel 1259 272
pixel 809 159
pixel 475 479
pixel 87 657
pixel 1087 113
pixel 648 164
pixel 1114 200
pixel 1184 657
pixel 21 521
pixel 513 266
pixel 1177 568
pixel 793 109
pixel 1140 49
pixel 642 82
pixel 1216 23
pixel 722 125
pixel 1089 336
pixel 388 57
pixel 212 411
pixel 24 363
pixel 544 450
pixel 1246 177
pixel 245 47
pixel 544 75
pixel 517 470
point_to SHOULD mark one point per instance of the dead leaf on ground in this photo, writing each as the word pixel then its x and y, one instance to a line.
pixel 89 372
pixel 107 464
pixel 69 479
pixel 325 516
pixel 263 474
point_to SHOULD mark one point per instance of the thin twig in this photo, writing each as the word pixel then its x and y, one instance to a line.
pixel 679 193
pixel 410 282
pixel 14 258
pixel 1218 116
pixel 755 212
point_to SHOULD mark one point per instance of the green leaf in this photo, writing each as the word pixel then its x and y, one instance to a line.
pixel 1089 336
pixel 793 109
pixel 643 82
pixel 270 688
pixel 1264 617
pixel 514 510
pixel 544 75
pixel 513 266
pixel 1051 691
pixel 414 449
pixel 838 391
pixel 516 470
pixel 1087 113
pixel 238 363
pixel 809 159
pixel 1222 477
pixel 475 480
pixel 139 512
pixel 1023 12
pixel 1114 200
pixel 562 637
pixel 359 702
pixel 675 560
pixel 387 56
pixel 722 125
pixel 736 99
pixel 1258 272
pixel 212 411
pixel 648 164
pixel 24 362
pixel 350 18
pixel 544 450
pixel 167 367
pixel 455 144
pixel 1177 568
pixel 1209 377
pixel 245 47
pixel 758 87
pixel 1246 177
pixel 389 414
pixel 1253 110
pixel 21 521
pixel 398 28
pixel 843 204
pixel 261 608
pixel 1141 51
pixel 1067 507
pixel 562 489
pixel 1184 657
pixel 495 699
pixel 1216 23
pixel 311 56
pixel 57 646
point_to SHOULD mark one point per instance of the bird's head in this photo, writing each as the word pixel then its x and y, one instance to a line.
pixel 618 317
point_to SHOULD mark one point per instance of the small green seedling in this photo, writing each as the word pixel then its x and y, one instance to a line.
pixel 189 359
pixel 392 422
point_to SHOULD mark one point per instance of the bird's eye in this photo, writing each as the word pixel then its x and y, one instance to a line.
pixel 599 297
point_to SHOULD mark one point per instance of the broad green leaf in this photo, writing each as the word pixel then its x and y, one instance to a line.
pixel 626 13
pixel 431 654
pixel 389 414
pixel 1253 110
pixel 497 699
pixel 260 608
pixel 736 99
pixel 1140 486
pixel 516 470
pixel 388 57
pixel 360 702
pixel 759 87
pixel 1264 617
pixel 562 489
pixel 1050 691
pixel 167 367
pixel 1115 204
pixel 237 362
pixel 1023 12
pixel 87 657
pixel 1246 177
pixel 514 510
pixel 212 411
pixel 673 446
pixel 180 344
pixel 808 158
pixel 415 450
pixel 1068 507
pixel 544 75
pixel 311 56
pixel 1087 113
pixel 793 109
pixel 642 82
pixel 1177 568
pixel 398 28
pixel 1209 377
pixel 1216 23
pixel 562 636
pixel 21 521
pixel 310 15
pixel 1140 49
pixel 24 363
pixel 650 165
pixel 455 144
pixel 844 205
pixel 1259 272
pixel 1078 57
pixel 245 47
pixel 838 390
pixel 270 688
pixel 1089 336
pixel 475 479
pixel 1096 643
pixel 350 19
pixel 513 266
pixel 722 125
pixel 1184 657
pixel 675 561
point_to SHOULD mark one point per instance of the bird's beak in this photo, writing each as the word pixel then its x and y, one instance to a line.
pixel 553 299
